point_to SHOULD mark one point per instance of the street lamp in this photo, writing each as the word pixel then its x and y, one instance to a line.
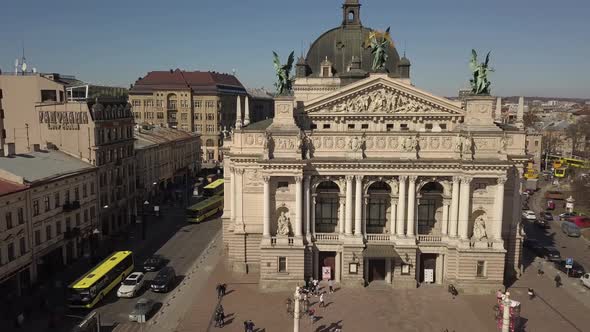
pixel 294 307
pixel 144 218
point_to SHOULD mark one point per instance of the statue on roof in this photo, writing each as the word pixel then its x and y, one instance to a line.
pixel 378 42
pixel 284 83
pixel 479 83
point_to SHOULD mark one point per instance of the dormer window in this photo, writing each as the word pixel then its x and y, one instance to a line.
pixel 326 68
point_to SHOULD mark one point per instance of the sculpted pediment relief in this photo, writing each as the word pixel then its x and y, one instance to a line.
pixel 382 99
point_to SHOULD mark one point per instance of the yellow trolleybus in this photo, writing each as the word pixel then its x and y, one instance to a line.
pixel 89 289
pixel 204 209
pixel 214 188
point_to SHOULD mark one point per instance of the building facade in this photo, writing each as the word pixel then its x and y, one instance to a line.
pixel 201 102
pixel 370 178
pixel 50 215
pixel 166 160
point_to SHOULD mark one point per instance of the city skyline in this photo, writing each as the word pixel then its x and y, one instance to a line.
pixel 531 56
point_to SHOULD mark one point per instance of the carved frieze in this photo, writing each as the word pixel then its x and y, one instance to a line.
pixel 393 143
pixel 253 178
pixel 380 142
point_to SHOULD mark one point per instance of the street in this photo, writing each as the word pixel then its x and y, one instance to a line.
pixel 577 248
pixel 181 249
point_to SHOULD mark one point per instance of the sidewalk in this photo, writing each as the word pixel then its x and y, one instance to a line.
pixel 53 292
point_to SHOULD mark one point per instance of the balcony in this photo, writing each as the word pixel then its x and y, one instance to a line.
pixel 378 237
pixel 327 236
pixel 273 241
pixel 429 239
pixel 71 206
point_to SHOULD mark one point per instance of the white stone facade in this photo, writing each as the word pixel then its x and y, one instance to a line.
pixel 376 180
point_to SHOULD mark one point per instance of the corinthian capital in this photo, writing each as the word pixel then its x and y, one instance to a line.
pixel 502 179
pixel 349 178
pixel 239 171
pixel 266 178
pixel 456 179
pixel 466 179
pixel 413 178
pixel 403 178
pixel 298 179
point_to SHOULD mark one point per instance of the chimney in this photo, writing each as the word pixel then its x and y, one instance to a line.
pixel 247 112
pixel 238 113
pixel 520 113
pixel 10 149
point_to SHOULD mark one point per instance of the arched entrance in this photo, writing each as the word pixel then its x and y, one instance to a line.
pixel 327 207
pixel 430 209
pixel 378 208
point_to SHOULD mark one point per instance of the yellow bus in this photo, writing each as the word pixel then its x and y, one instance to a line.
pixel 559 172
pixel 579 163
pixel 89 289
pixel 214 188
pixel 204 209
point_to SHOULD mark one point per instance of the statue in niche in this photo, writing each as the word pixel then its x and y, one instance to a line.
pixel 468 147
pixel 479 229
pixel 283 224
pixel 307 147
pixel 354 144
pixel 410 144
pixel 267 145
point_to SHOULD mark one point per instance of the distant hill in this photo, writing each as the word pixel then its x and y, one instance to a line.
pixel 514 99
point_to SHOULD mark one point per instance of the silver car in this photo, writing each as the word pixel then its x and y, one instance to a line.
pixel 570 229
pixel 141 310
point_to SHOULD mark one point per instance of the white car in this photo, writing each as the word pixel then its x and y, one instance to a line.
pixel 529 215
pixel 585 279
pixel 132 285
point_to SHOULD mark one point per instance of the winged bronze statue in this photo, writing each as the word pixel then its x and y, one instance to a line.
pixel 284 82
pixel 378 42
pixel 480 85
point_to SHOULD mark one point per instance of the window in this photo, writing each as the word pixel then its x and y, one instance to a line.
pixel 76 193
pixel 8 220
pixel 77 220
pixel 210 128
pixel 21 217
pixel 325 71
pixel 536 143
pixel 48 95
pixel 210 104
pixel 365 126
pixel 160 115
pixel 480 271
pixel 428 127
pixel 37 237
pixel 184 116
pixel 403 126
pixel 91 188
pixel 282 264
pixel 92 212
pixel 58 230
pixel 426 213
pixel 326 210
pixel 197 104
pixel 56 201
pixel 199 128
pixel 22 245
pixel 36 207
pixel 149 102
pixel 479 186
pixel 172 104
pixel 11 252
pixel 314 126
pixel 84 190
pixel 389 126
pixel 443 126
pixel 326 126
pixel 136 103
pixel 46 203
pixel 48 232
pixel 158 103
pixel 68 224
pixel 351 126
pixel 210 116
pixel 377 212
pixel 282 184
pixel 85 216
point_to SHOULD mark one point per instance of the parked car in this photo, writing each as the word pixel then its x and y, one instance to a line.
pixel 552 194
pixel 132 285
pixel 542 223
pixel 529 215
pixel 550 205
pixel 585 279
pixel 547 216
pixel 154 263
pixel 143 307
pixel 551 254
pixel 570 229
pixel 580 221
pixel 576 271
pixel 164 280
pixel 566 215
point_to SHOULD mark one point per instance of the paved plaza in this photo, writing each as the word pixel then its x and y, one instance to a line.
pixel 428 308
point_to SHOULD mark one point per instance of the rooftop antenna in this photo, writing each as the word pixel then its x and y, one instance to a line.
pixel 24 60
pixel 405 45
pixel 233 71
pixel 16 63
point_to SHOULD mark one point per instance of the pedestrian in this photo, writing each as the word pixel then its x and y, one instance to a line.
pixel 218 289
pixel 223 289
pixel 331 286
pixel 557 280
pixel 245 326
pixel 540 269
pixel 531 293
pixel 250 326
pixel 305 302
pixel 312 315
pixel 315 287
pixel 322 304
pixel 499 295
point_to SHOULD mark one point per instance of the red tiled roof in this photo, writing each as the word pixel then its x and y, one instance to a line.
pixel 179 80
pixel 7 187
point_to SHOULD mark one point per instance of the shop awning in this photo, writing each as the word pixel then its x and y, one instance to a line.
pixel 380 251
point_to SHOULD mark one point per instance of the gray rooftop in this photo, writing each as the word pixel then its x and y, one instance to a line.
pixel 35 166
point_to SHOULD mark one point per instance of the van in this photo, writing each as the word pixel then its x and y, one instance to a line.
pixel 570 229
pixel 580 221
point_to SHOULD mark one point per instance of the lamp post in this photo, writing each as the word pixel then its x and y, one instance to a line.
pixel 506 313
pixel 144 216
pixel 294 307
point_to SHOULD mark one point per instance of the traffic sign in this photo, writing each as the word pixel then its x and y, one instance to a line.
pixel 569 263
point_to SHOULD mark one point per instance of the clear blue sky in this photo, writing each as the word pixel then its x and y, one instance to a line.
pixel 539 47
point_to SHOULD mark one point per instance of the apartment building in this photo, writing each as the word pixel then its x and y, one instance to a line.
pixel 194 101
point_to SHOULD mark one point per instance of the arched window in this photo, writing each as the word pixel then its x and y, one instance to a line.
pixel 379 202
pixel 326 207
pixel 209 142
pixel 351 16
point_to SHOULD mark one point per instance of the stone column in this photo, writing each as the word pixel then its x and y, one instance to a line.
pixel 341 214
pixel 232 194
pixel 348 224
pixel 358 206
pixel 338 267
pixel 239 204
pixel 298 206
pixel 312 221
pixel 465 207
pixel 307 208
pixel 445 217
pixel 499 209
pixel 411 205
pixel 266 206
pixel 364 216
pixel 316 263
pixel 401 206
pixel 393 213
pixel 388 270
pixel 454 207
